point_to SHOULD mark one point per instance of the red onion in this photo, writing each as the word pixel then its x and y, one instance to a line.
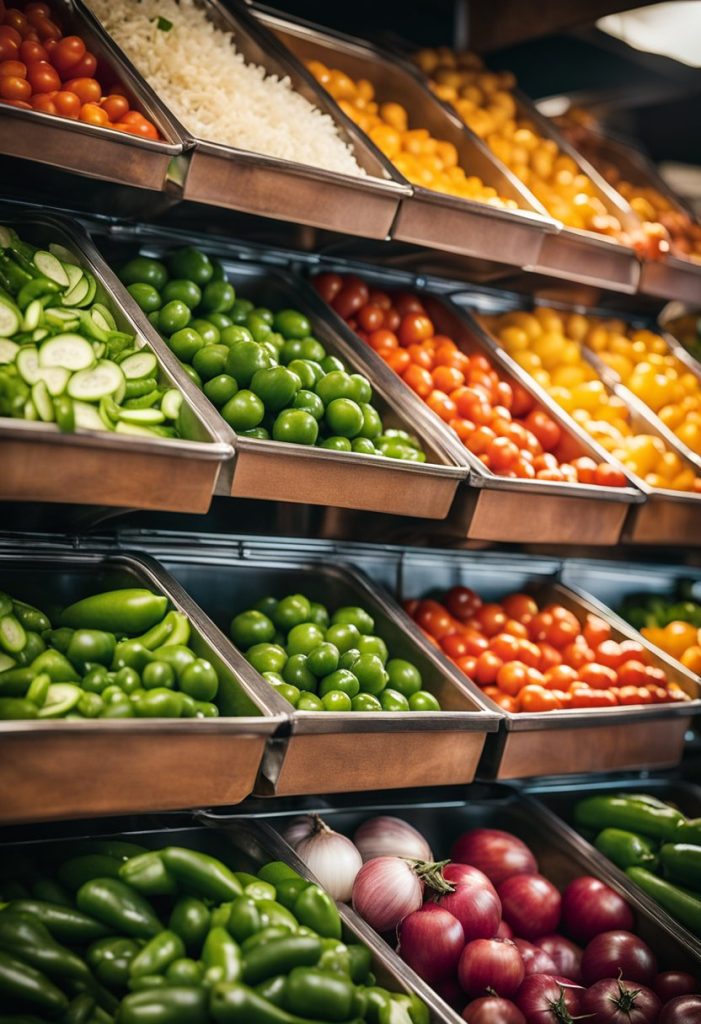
pixel 671 984
pixel 682 1010
pixel 493 1010
pixel 385 891
pixel 386 836
pixel 530 904
pixel 504 931
pixel 332 857
pixel 613 1001
pixel 535 959
pixel 618 952
pixel 490 965
pixel 590 907
pixel 498 854
pixel 546 1000
pixel 474 901
pixel 565 955
pixel 431 942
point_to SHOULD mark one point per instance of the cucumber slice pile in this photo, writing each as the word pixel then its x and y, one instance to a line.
pixel 63 360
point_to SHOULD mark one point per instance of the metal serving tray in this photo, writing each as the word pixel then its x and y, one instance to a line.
pixel 558 805
pixel 666 516
pixel 329 751
pixel 427 217
pixel 62 769
pixel 244 845
pixel 90 149
pixel 443 817
pixel 279 471
pixel 559 742
pixel 89 467
pixel 493 507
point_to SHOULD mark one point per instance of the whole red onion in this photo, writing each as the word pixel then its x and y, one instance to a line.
pixel 682 1010
pixel 618 952
pixel 498 854
pixel 490 965
pixel 535 959
pixel 530 904
pixel 589 907
pixel 546 1000
pixel 492 1010
pixel 430 942
pixel 565 955
pixel 474 901
pixel 671 984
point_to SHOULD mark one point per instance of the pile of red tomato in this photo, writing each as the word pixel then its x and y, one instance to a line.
pixel 41 69
pixel 507 947
pixel 497 420
pixel 527 658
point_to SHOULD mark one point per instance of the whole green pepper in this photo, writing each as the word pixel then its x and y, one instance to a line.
pixel 22 985
pixel 238 1004
pixel 289 889
pixel 124 612
pixel 56 666
pixel 173 630
pixel 148 875
pixel 276 871
pixel 221 956
pixel 680 904
pixel 33 647
pixel 627 813
pixel 119 906
pixel 147 982
pixel 335 957
pixel 320 994
pixel 185 972
pixel 59 638
pixel 157 954
pixel 190 919
pixel 80 1010
pixel 245 878
pixel 688 831
pixel 27 938
pixel 317 910
pixel 201 873
pixel 273 990
pixel 279 956
pixel 175 655
pixel 263 936
pixel 244 918
pixel 111 959
pixel 15 682
pixel 65 923
pixel 90 647
pixel 17 708
pixel 259 890
pixel 78 870
pixel 275 915
pixel 377 1004
pixel 360 962
pixel 682 863
pixel 177 1005
pixel 626 849
pixel 31 618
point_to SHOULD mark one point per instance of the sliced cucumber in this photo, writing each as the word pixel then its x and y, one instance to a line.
pixel 42 401
pixel 91 292
pixel 55 377
pixel 33 315
pixel 51 267
pixel 63 254
pixel 96 383
pixel 99 348
pixel 134 430
pixel 91 327
pixel 76 295
pixel 30 411
pixel 87 417
pixel 39 334
pixel 60 316
pixel 60 699
pixel 109 412
pixel 65 414
pixel 8 350
pixel 118 396
pixel 28 364
pixel 74 274
pixel 171 402
pixel 102 317
pixel 10 318
pixel 141 364
pixel 69 350
pixel 142 417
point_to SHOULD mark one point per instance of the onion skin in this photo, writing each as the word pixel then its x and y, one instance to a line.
pixel 671 984
pixel 535 959
pixel 385 891
pixel 682 1010
pixel 300 829
pixel 498 854
pixel 504 931
pixel 617 952
pixel 488 965
pixel 589 907
pixel 540 992
pixel 332 858
pixel 611 1001
pixel 492 1010
pixel 430 942
pixel 530 904
pixel 387 836
pixel 474 903
pixel 566 956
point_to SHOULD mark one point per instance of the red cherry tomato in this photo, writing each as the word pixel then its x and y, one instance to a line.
pixel 12 87
pixel 599 677
pixel 352 296
pixel 487 668
pixel 44 101
pixel 545 429
pixel 31 51
pixel 88 90
pixel 405 303
pixel 115 106
pixel 537 698
pixel 42 77
pixel 370 317
pixel 512 677
pixel 13 68
pixel 596 630
pixel 609 476
pixel 92 113
pixel 85 67
pixel 462 602
pixel 67 104
pixel 328 286
pixel 415 328
pixel 16 20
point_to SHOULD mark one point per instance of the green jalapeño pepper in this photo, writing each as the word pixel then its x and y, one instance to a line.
pixel 27 938
pixel 276 916
pixel 146 982
pixel 176 1005
pixel 124 612
pixel 173 630
pixel 626 849
pixel 33 647
pixel 263 936
pixel 274 990
pixel 259 890
pixel 190 919
pixel 317 911
pixel 682 863
pixel 81 1009
pixel 90 647
pixel 64 923
pixel 185 972
pixel 320 994
pixel 111 959
pixel 119 906
pixel 148 875
pixel 289 889
pixel 130 654
pixel 335 957
pixel 59 639
pixel 276 871
pixel 624 812
pixel 680 904
pixel 279 956
pixel 201 874
pixel 221 956
pixel 244 918
pixel 157 954
pixel 51 890
pixel 360 963
pixel 237 1004
pixel 22 985
pixel 688 831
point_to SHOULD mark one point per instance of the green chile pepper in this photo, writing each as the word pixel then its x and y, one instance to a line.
pixel 275 915
pixel 57 667
pixel 289 889
pixel 17 708
pixel 148 875
pixel 39 689
pixel 245 878
pixel 177 1005
pixel 91 646
pixel 75 872
pixel 28 939
pixel 15 682
pixel 59 638
pixel 30 617
pixel 111 959
pixel 190 919
pixel 360 963
pixel 688 831
pixel 314 993
pixel 80 1010
pixel 317 910
pixel 680 904
pixel 129 611
pixel 274 990
pixel 157 954
pixel 130 654
pixel 201 873
pixel 185 972
pixel 238 1004
pixel 335 957
pixel 65 923
pixel 147 982
pixel 263 936
pixel 244 919
pixel 279 956
pixel 626 812
pixel 22 984
pixel 13 636
pixel 682 863
pixel 259 890
pixel 626 849
pixel 119 906
pixel 222 956
pixel 174 629
pixel 117 848
pixel 276 871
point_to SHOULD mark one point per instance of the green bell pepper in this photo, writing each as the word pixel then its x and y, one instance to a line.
pixel 123 612
pixel 201 874
pixel 118 906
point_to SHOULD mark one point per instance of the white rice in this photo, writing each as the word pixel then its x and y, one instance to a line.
pixel 200 75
